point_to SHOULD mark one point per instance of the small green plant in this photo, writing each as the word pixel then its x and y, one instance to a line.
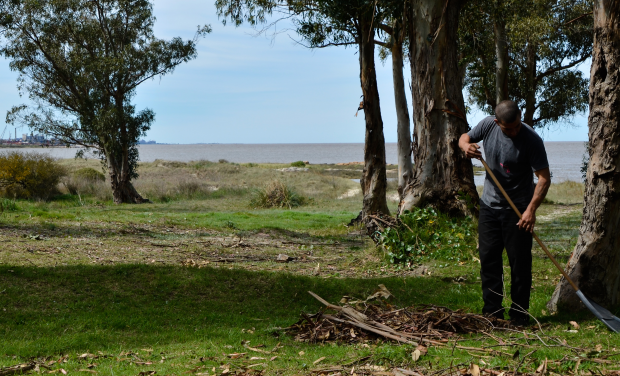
pixel 277 195
pixel 7 205
pixel 426 234
pixel 298 164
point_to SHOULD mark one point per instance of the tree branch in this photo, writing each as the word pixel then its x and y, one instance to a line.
pixel 560 68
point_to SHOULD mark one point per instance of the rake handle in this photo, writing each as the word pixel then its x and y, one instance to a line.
pixel 486 167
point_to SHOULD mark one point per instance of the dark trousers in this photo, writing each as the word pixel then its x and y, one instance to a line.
pixel 497 229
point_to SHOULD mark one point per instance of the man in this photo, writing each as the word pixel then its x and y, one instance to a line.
pixel 513 150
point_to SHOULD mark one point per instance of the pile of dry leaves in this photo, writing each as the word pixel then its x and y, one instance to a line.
pixel 365 320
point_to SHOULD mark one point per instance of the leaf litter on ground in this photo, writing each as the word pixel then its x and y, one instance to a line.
pixel 373 319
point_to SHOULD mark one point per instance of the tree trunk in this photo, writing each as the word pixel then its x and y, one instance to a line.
pixel 501 53
pixel 405 166
pixel 374 180
pixel 122 189
pixel 530 84
pixel 595 262
pixel 443 177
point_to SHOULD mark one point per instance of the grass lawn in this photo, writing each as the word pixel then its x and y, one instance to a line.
pixel 179 285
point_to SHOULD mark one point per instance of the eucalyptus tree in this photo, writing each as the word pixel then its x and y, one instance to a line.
pixel 323 23
pixel 394 46
pixel 80 62
pixel 442 176
pixel 595 262
pixel 528 51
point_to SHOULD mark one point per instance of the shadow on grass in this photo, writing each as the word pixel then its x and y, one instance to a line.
pixel 54 310
pixel 47 311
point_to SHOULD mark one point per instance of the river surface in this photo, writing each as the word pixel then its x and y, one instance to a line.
pixel 565 158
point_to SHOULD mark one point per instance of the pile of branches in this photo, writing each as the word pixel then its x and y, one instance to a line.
pixel 369 320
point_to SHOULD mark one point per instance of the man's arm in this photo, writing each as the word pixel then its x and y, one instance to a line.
pixel 470 149
pixel 528 218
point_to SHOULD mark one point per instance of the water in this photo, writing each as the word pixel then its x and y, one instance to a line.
pixel 564 157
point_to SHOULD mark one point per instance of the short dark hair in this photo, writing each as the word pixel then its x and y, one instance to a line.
pixel 507 112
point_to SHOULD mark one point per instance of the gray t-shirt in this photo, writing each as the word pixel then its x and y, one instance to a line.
pixel 512 160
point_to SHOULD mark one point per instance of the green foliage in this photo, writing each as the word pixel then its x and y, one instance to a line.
pixel 277 195
pixel 88 173
pixel 80 62
pixel 7 205
pixel 29 175
pixel 546 39
pixel 426 234
pixel 298 164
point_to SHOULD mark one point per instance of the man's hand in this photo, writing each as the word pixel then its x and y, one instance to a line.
pixel 528 220
pixel 471 150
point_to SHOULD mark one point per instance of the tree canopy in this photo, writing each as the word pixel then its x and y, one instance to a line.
pixel 546 40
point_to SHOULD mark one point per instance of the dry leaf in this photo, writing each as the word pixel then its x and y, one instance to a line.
pixel 415 355
pixel 273 358
pixel 319 360
pixel 236 355
pixel 574 324
pixel 301 353
pixel 87 370
pixel 382 292
pixel 423 349
pixel 63 371
pixel 599 347
pixel 257 358
pixel 474 370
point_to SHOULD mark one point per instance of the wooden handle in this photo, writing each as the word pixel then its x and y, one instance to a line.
pixel 486 167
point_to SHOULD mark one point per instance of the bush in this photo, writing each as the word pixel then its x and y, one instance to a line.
pixel 425 234
pixel 223 161
pixel 29 175
pixel 277 195
pixel 298 164
pixel 89 174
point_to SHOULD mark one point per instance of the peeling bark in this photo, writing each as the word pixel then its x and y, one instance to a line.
pixel 595 262
pixel 374 179
pixel 443 177
pixel 405 165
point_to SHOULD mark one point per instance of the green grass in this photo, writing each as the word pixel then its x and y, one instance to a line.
pixel 80 275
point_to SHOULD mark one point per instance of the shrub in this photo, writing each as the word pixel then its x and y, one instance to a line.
pixel 277 195
pixel 298 164
pixel 425 234
pixel 89 174
pixel 223 161
pixel 29 175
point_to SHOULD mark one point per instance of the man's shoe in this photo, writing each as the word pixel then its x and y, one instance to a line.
pixel 520 321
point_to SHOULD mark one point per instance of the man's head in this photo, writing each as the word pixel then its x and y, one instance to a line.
pixel 508 118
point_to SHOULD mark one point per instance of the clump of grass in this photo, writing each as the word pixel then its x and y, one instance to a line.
pixel 201 164
pixel 277 195
pixel 8 205
pixel 298 164
pixel 223 161
pixel 29 175
pixel 426 234
pixel 88 173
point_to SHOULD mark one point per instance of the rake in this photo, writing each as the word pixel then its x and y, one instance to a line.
pixel 611 321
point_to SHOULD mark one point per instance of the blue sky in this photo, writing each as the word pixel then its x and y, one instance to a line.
pixel 248 89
